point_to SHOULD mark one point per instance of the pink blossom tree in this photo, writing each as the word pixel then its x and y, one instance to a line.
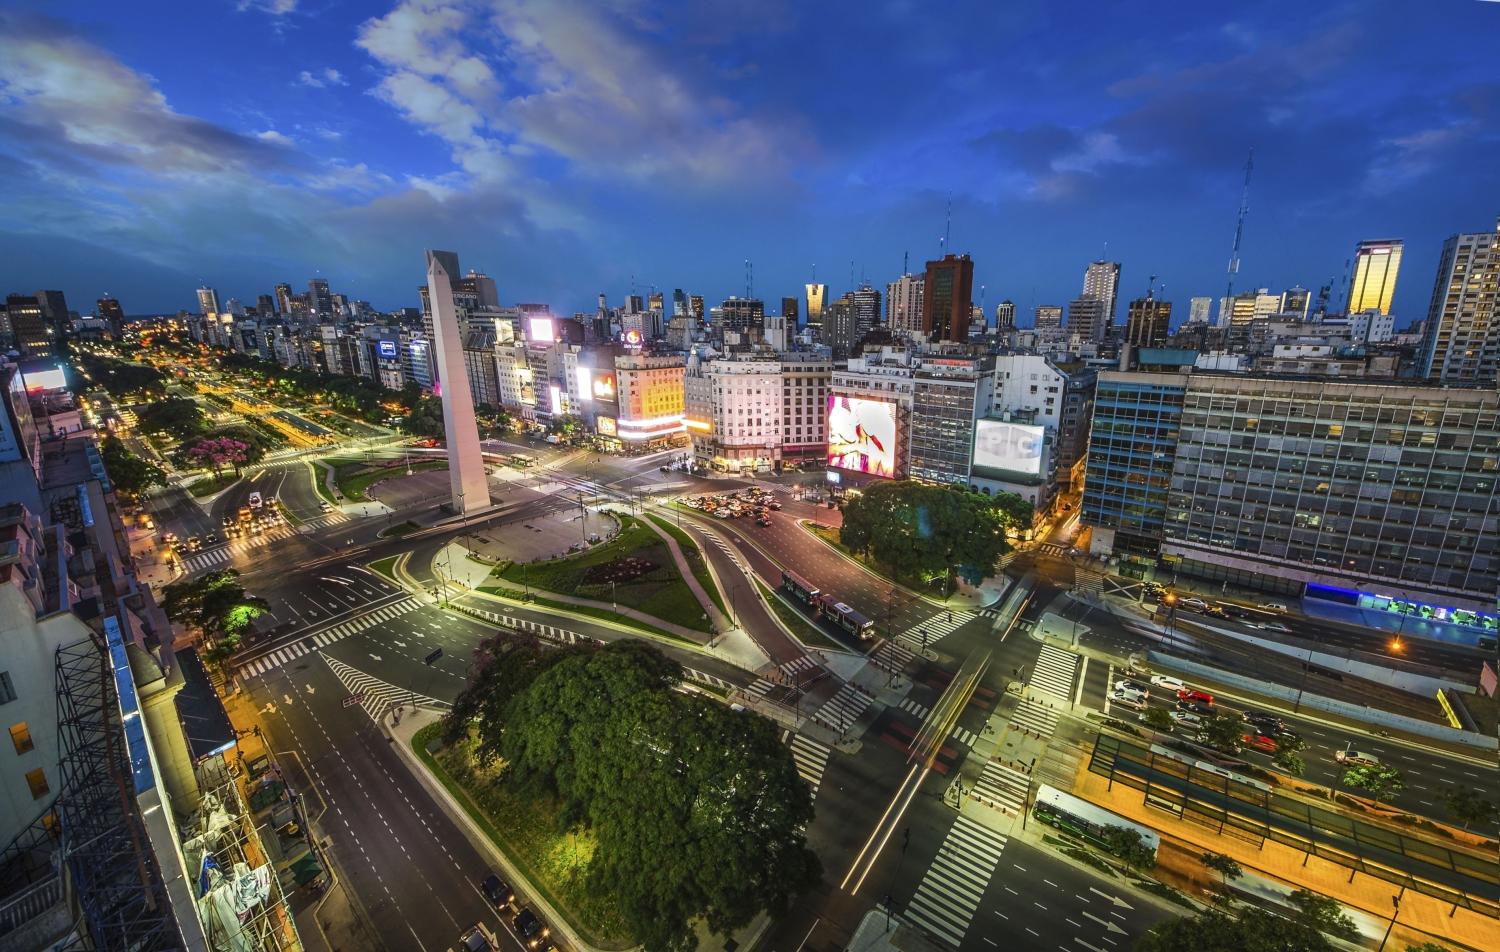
pixel 219 452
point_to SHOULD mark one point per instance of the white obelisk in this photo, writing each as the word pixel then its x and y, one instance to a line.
pixel 466 475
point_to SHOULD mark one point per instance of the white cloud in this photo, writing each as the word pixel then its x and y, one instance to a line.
pixel 321 79
pixel 275 8
pixel 275 138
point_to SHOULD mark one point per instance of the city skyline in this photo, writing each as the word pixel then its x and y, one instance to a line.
pixel 339 145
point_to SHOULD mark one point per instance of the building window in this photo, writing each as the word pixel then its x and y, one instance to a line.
pixel 37 781
pixel 20 735
pixel 7 689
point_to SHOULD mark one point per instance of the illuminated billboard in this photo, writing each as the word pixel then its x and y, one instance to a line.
pixel 540 330
pixel 1008 447
pixel 388 349
pixel 584 377
pixel 606 426
pixel 604 386
pixel 862 435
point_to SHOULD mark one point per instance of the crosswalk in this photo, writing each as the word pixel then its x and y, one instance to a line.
pixel 893 656
pixel 844 708
pixel 791 669
pixel 327 637
pixel 208 558
pixel 810 756
pixel 1054 672
pixel 920 711
pixel 1002 788
pixel 948 895
pixel 562 636
pixel 1052 548
pixel 936 629
pixel 1035 717
pixel 375 696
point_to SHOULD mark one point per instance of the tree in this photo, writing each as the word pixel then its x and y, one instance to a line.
pixel 1427 947
pixel 917 530
pixel 1467 805
pixel 217 605
pixel 218 452
pixel 1380 781
pixel 1288 756
pixel 425 418
pixel 175 416
pixel 1157 718
pixel 1126 843
pixel 697 810
pixel 1223 732
pixel 1226 866
pixel 127 471
pixel 1252 930
pixel 1323 914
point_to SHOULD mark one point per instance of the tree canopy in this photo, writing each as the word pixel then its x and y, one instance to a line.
pixel 216 604
pixel 128 472
pixel 1251 930
pixel 179 417
pixel 698 810
pixel 425 418
pixel 121 378
pixel 202 450
pixel 1380 781
pixel 916 529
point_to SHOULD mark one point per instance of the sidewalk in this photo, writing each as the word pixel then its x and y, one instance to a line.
pixel 716 617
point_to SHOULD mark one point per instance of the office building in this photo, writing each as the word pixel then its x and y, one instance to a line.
pixel 482 287
pixel 1088 319
pixel 744 317
pixel 1376 265
pixel 284 298
pixel 650 399
pixel 791 310
pixel 320 300
pixel 695 303
pixel 208 301
pixel 839 329
pixel 1296 302
pixel 948 298
pixel 1132 444
pixel 805 381
pixel 1048 317
pixel 1461 342
pixel 948 395
pixel 1148 322
pixel 1200 309
pixel 887 376
pixel 903 306
pixel 54 312
pixel 113 314
pixel 817 297
pixel 1101 280
pixel 28 326
pixel 1005 316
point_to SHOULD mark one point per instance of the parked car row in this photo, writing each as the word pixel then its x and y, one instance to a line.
pixel 529 927
pixel 755 502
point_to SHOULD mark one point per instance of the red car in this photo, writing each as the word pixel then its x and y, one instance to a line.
pixel 1197 697
pixel 1261 743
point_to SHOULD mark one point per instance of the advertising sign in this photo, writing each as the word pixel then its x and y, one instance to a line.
pixel 604 386
pixel 540 330
pixel 862 435
pixel 633 338
pixel 554 393
pixel 584 378
pixel 606 426
pixel 1008 447
pixel 388 349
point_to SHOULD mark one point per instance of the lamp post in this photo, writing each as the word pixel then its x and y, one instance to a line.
pixel 1171 601
pixel 1395 912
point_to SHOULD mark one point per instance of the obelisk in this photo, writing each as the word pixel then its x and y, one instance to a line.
pixel 466 476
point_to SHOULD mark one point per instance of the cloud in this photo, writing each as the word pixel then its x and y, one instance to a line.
pixel 325 78
pixel 274 8
pixel 275 138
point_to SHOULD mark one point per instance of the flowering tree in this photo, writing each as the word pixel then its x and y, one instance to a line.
pixel 219 452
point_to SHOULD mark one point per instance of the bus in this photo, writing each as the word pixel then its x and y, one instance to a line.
pixel 800 588
pixel 1081 818
pixel 846 618
pixel 522 461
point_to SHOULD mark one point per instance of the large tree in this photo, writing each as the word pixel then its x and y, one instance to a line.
pixel 1380 781
pixel 128 472
pixel 1252 930
pixel 176 416
pixel 1468 805
pixel 698 810
pixel 217 605
pixel 919 530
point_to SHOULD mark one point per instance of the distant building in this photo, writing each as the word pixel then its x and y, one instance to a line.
pixel 1148 322
pixel 1376 265
pixel 903 306
pixel 1088 318
pixel 28 326
pixel 1005 316
pixel 817 297
pixel 1048 317
pixel 948 298
pixel 1200 309
pixel 208 301
pixel 791 310
pixel 1101 280
pixel 1296 302
pixel 320 300
pixel 112 313
pixel 1461 340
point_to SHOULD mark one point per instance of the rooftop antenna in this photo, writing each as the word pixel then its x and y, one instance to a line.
pixel 1346 287
pixel 1239 227
pixel 948 225
pixel 906 262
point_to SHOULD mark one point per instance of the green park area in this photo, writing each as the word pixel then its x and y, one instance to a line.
pixel 355 477
pixel 208 485
pixel 694 558
pixel 634 570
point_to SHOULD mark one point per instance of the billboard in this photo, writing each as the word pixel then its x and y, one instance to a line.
pixel 540 330
pixel 1008 447
pixel 862 435
pixel 604 385
pixel 606 426
pixel 388 349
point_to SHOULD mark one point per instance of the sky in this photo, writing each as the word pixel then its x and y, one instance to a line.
pixel 571 148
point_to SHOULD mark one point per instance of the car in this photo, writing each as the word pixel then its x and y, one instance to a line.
pixel 1129 699
pixel 211 538
pixel 1168 682
pixel 1192 604
pixel 194 543
pixel 497 891
pixel 1258 741
pixel 1273 626
pixel 1193 707
pixel 1262 719
pixel 478 938
pixel 1272 607
pixel 325 505
pixel 1355 758
pixel 763 521
pixel 774 504
pixel 1214 611
pixel 530 928
pixel 1197 697
pixel 1187 719
pixel 1125 684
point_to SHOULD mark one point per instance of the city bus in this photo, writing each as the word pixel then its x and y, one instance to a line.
pixel 522 461
pixel 1070 814
pixel 800 588
pixel 846 618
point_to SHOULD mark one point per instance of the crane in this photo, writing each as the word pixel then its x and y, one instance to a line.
pixel 1239 229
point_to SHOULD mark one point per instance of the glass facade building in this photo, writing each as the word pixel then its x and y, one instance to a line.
pixel 1132 446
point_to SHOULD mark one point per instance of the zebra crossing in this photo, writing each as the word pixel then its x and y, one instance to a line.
pixel 893 655
pixel 810 757
pixel 1052 548
pixel 920 711
pixel 945 901
pixel 327 637
pixel 562 636
pixel 1002 788
pixel 207 558
pixel 1035 717
pixel 844 708
pixel 375 696
pixel 1054 672
pixel 759 687
pixel 790 669
pixel 936 628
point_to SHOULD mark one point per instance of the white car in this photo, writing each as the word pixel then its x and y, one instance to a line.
pixel 1193 604
pixel 1356 758
pixel 1187 719
pixel 1167 682
pixel 1134 699
pixel 1272 607
pixel 1131 687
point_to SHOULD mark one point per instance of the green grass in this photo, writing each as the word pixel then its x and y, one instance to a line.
pixel 354 478
pixel 1166 892
pixel 805 631
pixel 661 593
pixel 319 472
pixel 695 558
pixel 386 567
pixel 399 529
pixel 603 614
pixel 526 830
pixel 208 485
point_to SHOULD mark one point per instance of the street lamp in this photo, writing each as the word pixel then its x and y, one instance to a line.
pixel 1171 602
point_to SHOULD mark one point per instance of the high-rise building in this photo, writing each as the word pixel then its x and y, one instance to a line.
pixel 838 329
pixel 1087 318
pixel 1376 264
pixel 1102 280
pixel 1005 316
pixel 1148 322
pixel 695 302
pixel 481 286
pixel 948 395
pixel 655 301
pixel 1048 317
pixel 790 309
pixel 208 300
pixel 112 313
pixel 265 306
pixel 903 305
pixel 817 296
pixel 1461 339
pixel 320 299
pixel 1296 301
pixel 866 310
pixel 744 316
pixel 28 326
pixel 55 311
pixel 948 298
pixel 284 299
pixel 679 303
pixel 1200 309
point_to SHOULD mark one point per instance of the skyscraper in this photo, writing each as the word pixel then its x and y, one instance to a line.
pixel 54 311
pixel 741 316
pixel 1376 264
pixel 1200 309
pixel 948 298
pixel 284 298
pixel 1461 340
pixel 679 303
pixel 265 306
pixel 482 286
pixel 790 307
pixel 1296 301
pixel 817 295
pixel 1147 322
pixel 1102 280
pixel 903 305
pixel 866 310
pixel 320 299
pixel 113 314
pixel 696 303
pixel 28 327
pixel 208 300
pixel 1005 316
pixel 1048 317
pixel 1087 318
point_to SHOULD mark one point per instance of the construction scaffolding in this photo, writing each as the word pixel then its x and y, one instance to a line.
pixel 114 873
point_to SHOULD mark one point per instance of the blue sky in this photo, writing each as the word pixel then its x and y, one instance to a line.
pixel 570 148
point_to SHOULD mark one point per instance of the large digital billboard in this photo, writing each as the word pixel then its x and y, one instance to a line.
pixel 1008 447
pixel 540 330
pixel 862 435
pixel 387 349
